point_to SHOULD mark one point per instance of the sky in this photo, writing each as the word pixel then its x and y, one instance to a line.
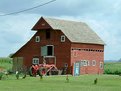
pixel 103 16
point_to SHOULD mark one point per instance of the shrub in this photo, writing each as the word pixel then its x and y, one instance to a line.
pixel 112 68
pixel 10 71
pixel 1 75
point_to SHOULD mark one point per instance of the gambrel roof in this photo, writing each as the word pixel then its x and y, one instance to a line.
pixel 77 32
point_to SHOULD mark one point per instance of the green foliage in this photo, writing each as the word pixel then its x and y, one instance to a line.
pixel 6 63
pixel 10 55
pixel 1 75
pixel 112 68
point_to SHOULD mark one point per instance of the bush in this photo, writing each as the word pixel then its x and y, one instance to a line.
pixel 112 68
pixel 10 71
pixel 1 75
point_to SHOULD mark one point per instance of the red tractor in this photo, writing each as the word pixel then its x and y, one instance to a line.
pixel 43 69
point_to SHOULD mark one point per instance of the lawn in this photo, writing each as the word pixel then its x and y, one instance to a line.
pixel 58 83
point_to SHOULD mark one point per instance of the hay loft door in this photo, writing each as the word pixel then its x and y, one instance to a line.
pixel 47 50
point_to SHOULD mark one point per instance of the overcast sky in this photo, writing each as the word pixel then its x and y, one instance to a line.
pixel 103 16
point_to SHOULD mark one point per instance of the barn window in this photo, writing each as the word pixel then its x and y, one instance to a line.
pixel 47 34
pixel 35 61
pixel 62 38
pixel 88 63
pixel 65 65
pixel 93 62
pixel 101 65
pixel 85 63
pixel 47 50
pixel 37 39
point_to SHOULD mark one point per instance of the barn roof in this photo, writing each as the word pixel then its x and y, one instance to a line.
pixel 77 32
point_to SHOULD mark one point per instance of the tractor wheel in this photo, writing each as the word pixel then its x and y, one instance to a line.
pixel 32 72
pixel 42 71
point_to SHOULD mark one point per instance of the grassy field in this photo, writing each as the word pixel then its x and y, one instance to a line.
pixel 58 83
pixel 112 67
pixel 6 63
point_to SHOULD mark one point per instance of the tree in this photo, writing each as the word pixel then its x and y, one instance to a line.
pixel 10 55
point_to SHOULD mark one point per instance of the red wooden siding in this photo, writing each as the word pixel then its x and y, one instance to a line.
pixel 33 49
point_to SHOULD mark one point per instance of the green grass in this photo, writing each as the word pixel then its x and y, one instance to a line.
pixel 58 83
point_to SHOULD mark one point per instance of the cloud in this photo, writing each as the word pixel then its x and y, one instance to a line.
pixel 103 16
pixel 15 31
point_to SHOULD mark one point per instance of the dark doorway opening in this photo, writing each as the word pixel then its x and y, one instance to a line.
pixel 47 34
pixel 49 50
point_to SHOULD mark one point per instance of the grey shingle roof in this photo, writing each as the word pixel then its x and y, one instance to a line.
pixel 75 31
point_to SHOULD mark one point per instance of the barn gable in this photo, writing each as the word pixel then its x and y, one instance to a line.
pixel 41 24
pixel 76 32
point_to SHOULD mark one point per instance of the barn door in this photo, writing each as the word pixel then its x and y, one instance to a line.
pixel 44 51
pixel 76 69
pixel 47 50
pixel 17 63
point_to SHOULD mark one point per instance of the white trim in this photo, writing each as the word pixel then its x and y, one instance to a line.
pixel 93 63
pixel 46 50
pixel 37 38
pixel 65 64
pixel 85 62
pixel 88 63
pixel 52 49
pixel 35 61
pixel 49 45
pixel 101 65
pixel 51 57
pixel 63 37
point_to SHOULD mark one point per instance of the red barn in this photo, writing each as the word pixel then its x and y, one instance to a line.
pixel 62 43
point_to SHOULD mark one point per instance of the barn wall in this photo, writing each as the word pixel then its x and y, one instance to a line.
pixel 88 52
pixel 33 49
pixel 17 63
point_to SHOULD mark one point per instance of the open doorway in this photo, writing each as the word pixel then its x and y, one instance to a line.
pixel 47 50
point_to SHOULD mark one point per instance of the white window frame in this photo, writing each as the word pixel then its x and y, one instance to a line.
pixel 35 61
pixel 88 63
pixel 37 39
pixel 65 64
pixel 101 65
pixel 63 38
pixel 93 62
pixel 85 62
pixel 52 50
